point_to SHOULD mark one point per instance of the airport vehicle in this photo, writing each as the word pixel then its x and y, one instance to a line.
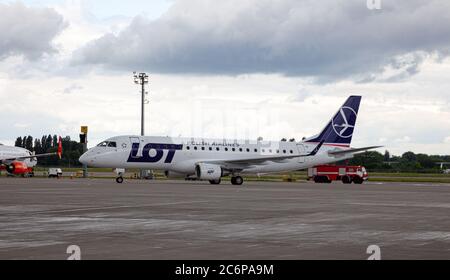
pixel 54 172
pixel 346 174
pixel 20 161
pixel 211 160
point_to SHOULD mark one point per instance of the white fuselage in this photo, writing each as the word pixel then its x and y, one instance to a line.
pixel 8 152
pixel 182 154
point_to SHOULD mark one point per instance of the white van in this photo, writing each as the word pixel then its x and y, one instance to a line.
pixel 54 172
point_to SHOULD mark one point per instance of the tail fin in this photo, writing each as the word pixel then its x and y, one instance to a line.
pixel 339 130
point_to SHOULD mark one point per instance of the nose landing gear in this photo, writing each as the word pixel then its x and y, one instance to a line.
pixel 119 172
pixel 119 180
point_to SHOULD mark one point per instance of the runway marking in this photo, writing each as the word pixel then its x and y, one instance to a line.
pixel 438 205
pixel 119 207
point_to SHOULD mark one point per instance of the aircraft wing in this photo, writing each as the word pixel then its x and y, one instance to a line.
pixel 245 162
pixel 58 152
pixel 8 160
pixel 352 151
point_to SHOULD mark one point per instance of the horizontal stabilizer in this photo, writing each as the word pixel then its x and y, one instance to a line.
pixel 352 151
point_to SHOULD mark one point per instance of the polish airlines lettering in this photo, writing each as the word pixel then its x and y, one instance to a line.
pixel 214 144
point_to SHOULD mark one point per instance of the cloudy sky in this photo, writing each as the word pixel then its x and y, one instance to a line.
pixel 234 69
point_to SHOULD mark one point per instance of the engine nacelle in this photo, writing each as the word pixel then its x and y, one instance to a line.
pixel 174 175
pixel 206 171
pixel 17 168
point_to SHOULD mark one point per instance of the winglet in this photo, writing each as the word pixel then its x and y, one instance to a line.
pixel 59 152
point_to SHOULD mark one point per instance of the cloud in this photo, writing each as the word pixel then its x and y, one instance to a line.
pixel 323 39
pixel 72 88
pixel 28 31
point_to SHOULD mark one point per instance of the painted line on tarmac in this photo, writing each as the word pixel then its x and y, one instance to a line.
pixel 119 207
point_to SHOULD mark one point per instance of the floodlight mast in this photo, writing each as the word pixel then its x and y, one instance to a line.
pixel 142 79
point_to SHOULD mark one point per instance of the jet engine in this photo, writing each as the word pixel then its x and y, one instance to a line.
pixel 17 168
pixel 205 171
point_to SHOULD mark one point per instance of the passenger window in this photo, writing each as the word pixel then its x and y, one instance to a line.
pixel 203 148
pixel 226 149
pixel 248 150
pixel 218 149
pixel 291 151
pixel 284 151
pixel 188 147
pixel 195 148
pixel 210 148
pixel 256 150
pixel 240 149
pixel 233 149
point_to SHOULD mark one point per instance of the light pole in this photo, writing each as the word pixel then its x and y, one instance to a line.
pixel 83 140
pixel 142 79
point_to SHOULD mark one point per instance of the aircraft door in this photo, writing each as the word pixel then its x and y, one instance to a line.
pixel 301 151
pixel 136 145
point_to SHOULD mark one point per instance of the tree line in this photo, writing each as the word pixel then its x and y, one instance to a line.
pixel 72 150
pixel 407 162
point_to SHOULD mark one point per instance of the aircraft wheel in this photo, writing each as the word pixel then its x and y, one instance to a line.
pixel 215 182
pixel 119 180
pixel 238 180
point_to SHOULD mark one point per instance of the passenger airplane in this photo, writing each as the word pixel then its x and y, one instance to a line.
pixel 210 160
pixel 18 161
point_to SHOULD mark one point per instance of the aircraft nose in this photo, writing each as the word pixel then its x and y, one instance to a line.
pixel 84 158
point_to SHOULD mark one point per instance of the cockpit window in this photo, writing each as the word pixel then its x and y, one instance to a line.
pixel 108 144
pixel 103 144
pixel 112 144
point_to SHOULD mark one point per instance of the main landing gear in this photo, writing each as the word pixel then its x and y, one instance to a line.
pixel 237 180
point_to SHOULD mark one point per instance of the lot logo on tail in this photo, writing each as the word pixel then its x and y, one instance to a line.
pixel 341 123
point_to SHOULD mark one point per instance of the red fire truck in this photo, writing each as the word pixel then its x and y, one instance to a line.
pixel 346 174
